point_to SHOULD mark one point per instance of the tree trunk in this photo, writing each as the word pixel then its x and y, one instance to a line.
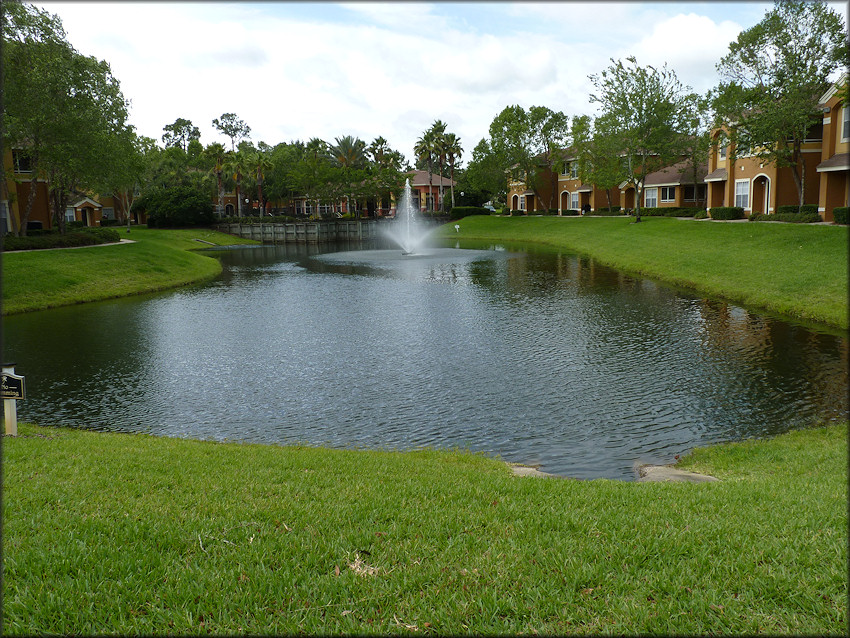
pixel 452 184
pixel 220 193
pixel 442 199
pixel 30 200
pixel 430 186
pixel 638 196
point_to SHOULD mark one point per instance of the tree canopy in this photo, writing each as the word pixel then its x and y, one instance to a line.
pixel 649 108
pixel 772 77
pixel 66 110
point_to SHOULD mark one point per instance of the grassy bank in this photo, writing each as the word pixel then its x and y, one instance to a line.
pixel 128 534
pixel 159 259
pixel 791 269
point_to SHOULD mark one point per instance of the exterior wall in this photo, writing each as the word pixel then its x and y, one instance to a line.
pixel 761 178
pixel 595 198
pixel 18 189
pixel 834 182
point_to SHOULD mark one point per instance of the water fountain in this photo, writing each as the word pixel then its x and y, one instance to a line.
pixel 407 230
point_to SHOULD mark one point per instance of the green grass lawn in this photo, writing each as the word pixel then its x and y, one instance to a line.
pixel 796 270
pixel 130 534
pixel 159 259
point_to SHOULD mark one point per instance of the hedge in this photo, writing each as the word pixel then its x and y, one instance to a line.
pixel 82 237
pixel 669 212
pixel 841 214
pixel 570 212
pixel 794 218
pixel 805 208
pixel 614 210
pixel 727 212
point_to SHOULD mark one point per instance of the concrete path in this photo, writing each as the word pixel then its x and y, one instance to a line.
pixel 658 473
pixel 646 473
pixel 41 250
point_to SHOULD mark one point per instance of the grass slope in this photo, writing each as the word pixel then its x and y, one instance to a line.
pixel 129 534
pixel 791 269
pixel 159 259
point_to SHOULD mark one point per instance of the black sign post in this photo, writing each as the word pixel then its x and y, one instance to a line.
pixel 12 389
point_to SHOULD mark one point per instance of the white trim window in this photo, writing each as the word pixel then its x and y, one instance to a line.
pixel 742 193
pixel 108 212
pixel 845 123
pixel 722 147
pixel 565 169
pixel 668 194
pixel 574 201
pixel 70 214
pixel 574 170
pixel 522 202
pixel 650 197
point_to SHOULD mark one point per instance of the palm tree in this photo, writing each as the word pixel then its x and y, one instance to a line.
pixel 260 163
pixel 425 149
pixel 453 152
pixel 217 153
pixel 349 153
pixel 439 130
pixel 234 164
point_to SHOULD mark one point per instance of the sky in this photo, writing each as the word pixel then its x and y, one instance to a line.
pixel 298 70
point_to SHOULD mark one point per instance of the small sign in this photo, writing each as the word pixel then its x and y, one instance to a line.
pixel 12 386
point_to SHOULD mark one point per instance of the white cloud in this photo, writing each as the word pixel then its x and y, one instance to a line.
pixel 302 70
pixel 691 45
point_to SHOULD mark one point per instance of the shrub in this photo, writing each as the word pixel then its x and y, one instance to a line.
pixel 794 218
pixel 613 210
pixel 570 212
pixel 517 213
pixel 727 212
pixel 701 214
pixel 505 211
pixel 82 237
pixel 108 222
pixel 805 208
pixel 840 214
pixel 177 206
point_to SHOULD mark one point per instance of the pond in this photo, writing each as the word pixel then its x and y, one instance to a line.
pixel 540 357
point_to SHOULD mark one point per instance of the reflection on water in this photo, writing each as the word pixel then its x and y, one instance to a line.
pixel 543 358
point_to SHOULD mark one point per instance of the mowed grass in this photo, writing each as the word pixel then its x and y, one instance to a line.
pixel 159 259
pixel 131 534
pixel 796 270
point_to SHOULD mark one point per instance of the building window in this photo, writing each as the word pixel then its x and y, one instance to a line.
pixel 574 170
pixel 574 201
pixel 721 148
pixel 429 202
pixel 742 193
pixel 845 124
pixel 650 197
pixel 107 213
pixel 565 169
pixel 522 203
pixel 693 192
pixel 326 209
pixel 668 193
pixel 69 214
pixel 22 162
